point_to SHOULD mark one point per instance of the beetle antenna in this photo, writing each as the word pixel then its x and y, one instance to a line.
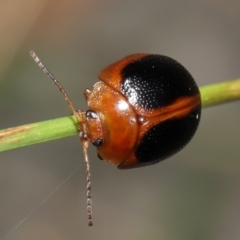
pixel 85 144
pixel 82 132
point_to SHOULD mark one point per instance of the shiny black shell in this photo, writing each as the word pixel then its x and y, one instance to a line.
pixel 154 82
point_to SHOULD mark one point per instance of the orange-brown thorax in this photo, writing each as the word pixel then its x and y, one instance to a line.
pixel 118 124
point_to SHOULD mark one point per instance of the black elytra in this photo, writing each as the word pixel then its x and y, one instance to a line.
pixel 153 82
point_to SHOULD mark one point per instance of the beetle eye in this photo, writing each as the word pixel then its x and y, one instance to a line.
pixel 91 114
pixel 97 142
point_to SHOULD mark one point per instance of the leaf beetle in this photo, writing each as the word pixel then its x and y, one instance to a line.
pixel 144 109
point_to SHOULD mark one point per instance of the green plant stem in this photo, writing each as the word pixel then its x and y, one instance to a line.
pixel 37 132
pixel 220 93
pixel 29 134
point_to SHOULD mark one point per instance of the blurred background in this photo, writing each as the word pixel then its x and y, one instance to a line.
pixel 193 195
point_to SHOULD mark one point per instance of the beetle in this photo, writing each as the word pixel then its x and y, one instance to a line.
pixel 144 109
